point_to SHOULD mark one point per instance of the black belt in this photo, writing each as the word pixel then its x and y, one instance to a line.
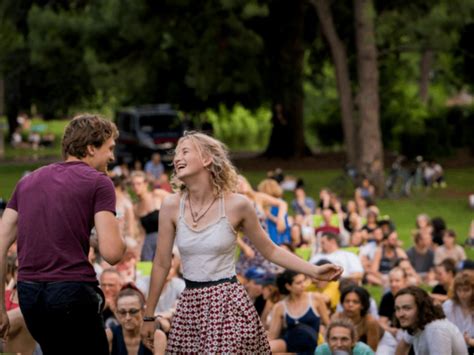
pixel 201 284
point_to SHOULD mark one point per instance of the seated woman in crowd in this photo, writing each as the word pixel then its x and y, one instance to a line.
pixel 300 246
pixel 352 220
pixel 459 309
pixel 276 233
pixel 303 205
pixel 125 338
pixel 355 303
pixel 365 191
pixel 298 315
pixel 324 200
pixel 449 249
pixel 249 256
pixel 385 258
pixel 371 224
pixel 444 274
pixel 125 214
pixel 147 210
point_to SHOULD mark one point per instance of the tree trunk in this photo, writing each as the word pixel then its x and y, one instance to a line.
pixel 2 111
pixel 2 96
pixel 339 56
pixel 426 63
pixel 286 50
pixel 370 140
pixel 12 105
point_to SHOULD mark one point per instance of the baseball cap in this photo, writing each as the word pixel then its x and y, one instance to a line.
pixel 260 276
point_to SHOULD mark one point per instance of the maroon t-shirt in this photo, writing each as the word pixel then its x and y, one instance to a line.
pixel 56 205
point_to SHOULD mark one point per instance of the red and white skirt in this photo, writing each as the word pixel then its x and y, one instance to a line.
pixel 217 319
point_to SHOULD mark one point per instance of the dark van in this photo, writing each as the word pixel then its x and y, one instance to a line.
pixel 145 130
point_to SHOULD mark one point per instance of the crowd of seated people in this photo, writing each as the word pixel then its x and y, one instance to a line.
pixel 300 314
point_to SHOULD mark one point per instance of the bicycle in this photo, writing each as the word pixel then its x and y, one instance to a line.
pixel 345 184
pixel 403 181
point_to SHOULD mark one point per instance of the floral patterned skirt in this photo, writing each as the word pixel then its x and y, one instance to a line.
pixel 217 319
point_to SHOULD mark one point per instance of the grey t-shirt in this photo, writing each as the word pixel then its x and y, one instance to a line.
pixel 439 337
pixel 421 262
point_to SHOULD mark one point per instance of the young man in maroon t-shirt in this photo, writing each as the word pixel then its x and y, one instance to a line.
pixel 50 215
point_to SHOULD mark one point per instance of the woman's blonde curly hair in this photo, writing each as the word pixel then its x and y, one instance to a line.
pixel 223 173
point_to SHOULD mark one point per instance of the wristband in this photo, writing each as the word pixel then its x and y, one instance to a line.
pixel 149 319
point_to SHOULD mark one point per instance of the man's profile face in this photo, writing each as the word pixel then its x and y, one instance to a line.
pixel 254 289
pixel 103 155
pixel 326 245
pixel 406 311
pixel 340 339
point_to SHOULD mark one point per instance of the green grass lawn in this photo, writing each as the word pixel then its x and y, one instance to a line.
pixel 55 127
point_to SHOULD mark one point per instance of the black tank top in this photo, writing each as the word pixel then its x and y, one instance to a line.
pixel 150 222
pixel 386 263
pixel 119 347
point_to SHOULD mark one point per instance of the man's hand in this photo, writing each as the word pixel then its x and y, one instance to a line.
pixel 328 272
pixel 4 326
pixel 148 333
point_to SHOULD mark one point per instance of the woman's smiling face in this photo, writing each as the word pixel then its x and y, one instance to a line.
pixel 187 160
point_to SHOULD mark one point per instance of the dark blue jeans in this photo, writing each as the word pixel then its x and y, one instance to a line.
pixel 64 317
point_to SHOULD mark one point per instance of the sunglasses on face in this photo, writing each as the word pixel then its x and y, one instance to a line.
pixel 124 312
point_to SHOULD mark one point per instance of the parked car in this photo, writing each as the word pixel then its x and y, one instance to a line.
pixel 145 130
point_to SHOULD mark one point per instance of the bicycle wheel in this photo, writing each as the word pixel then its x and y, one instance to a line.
pixel 342 186
pixel 397 185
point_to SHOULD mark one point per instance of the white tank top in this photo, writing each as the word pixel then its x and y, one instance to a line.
pixel 207 254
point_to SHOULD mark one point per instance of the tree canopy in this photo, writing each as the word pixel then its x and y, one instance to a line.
pixel 58 57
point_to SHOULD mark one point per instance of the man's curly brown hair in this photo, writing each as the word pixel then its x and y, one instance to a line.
pixel 427 310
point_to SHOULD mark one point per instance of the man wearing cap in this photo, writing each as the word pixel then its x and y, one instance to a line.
pixel 256 279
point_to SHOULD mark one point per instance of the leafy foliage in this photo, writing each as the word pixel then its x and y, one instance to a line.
pixel 61 57
pixel 240 128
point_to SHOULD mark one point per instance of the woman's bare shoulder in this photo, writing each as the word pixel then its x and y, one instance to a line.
pixel 371 321
pixel 280 306
pixel 171 201
pixel 237 201
pixel 161 193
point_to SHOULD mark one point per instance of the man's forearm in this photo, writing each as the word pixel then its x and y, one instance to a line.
pixel 2 281
pixel 8 232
